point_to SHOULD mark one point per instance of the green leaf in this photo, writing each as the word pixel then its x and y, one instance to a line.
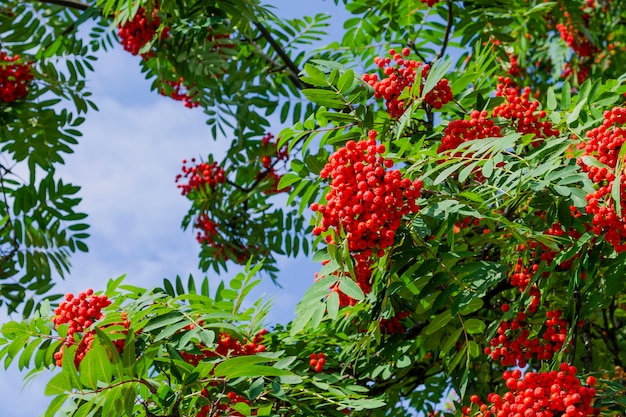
pixel 314 76
pixel 474 326
pixel 351 289
pixel 438 322
pixel 58 384
pixel 332 305
pixel 247 366
pixel 95 367
pixel 287 180
pixel 324 98
pixel 345 82
pixel 437 71
pixel 551 99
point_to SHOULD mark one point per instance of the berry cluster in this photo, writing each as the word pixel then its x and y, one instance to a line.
pixel 14 78
pixel 228 346
pixel 208 230
pixel 200 175
pixel 540 394
pixel 366 199
pixel 479 126
pixel 394 325
pixel 138 32
pixel 179 92
pixel 366 203
pixel 403 76
pixel 575 39
pixel 79 313
pixel 513 345
pixel 604 144
pixel 224 408
pixel 272 157
pixel 317 361
pixel 430 3
pixel 521 111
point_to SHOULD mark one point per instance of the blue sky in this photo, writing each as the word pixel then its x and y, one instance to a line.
pixel 126 163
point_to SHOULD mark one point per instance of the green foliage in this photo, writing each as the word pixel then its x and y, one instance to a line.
pixel 516 247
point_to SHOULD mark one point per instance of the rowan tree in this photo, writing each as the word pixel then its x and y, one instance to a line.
pixel 456 167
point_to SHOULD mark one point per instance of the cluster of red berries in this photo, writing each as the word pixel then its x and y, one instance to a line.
pixel 317 361
pixel 513 345
pixel 228 346
pixel 200 175
pixel 575 39
pixel 14 78
pixel 224 408
pixel 479 126
pixel 521 111
pixel 514 69
pixel 269 162
pixel 582 71
pixel 394 325
pixel 539 394
pixel 179 92
pixel 208 230
pixel 366 202
pixel 79 313
pixel 430 3
pixel 138 32
pixel 604 144
pixel 403 76
pixel 366 199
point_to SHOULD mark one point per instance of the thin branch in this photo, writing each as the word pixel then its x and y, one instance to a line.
pixel 72 4
pixel 446 35
pixel 294 70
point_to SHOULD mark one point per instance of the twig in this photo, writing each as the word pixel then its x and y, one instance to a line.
pixel 72 4
pixel 446 35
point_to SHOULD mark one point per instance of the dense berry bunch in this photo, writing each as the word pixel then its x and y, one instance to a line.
pixel 540 394
pixel 224 409
pixel 139 31
pixel 575 39
pixel 521 111
pixel 179 92
pixel 14 78
pixel 366 199
pixel 227 346
pixel 270 159
pixel 317 361
pixel 479 126
pixel 604 144
pixel 514 346
pixel 79 313
pixel 394 325
pixel 402 76
pixel 430 3
pixel 208 230
pixel 200 175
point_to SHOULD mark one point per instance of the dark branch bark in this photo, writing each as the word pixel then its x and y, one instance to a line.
pixel 72 4
pixel 446 35
pixel 294 70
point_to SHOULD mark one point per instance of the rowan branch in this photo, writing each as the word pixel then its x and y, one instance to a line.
pixel 446 35
pixel 72 4
pixel 294 70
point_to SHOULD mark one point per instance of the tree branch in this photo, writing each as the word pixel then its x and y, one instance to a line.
pixel 72 4
pixel 294 70
pixel 446 35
